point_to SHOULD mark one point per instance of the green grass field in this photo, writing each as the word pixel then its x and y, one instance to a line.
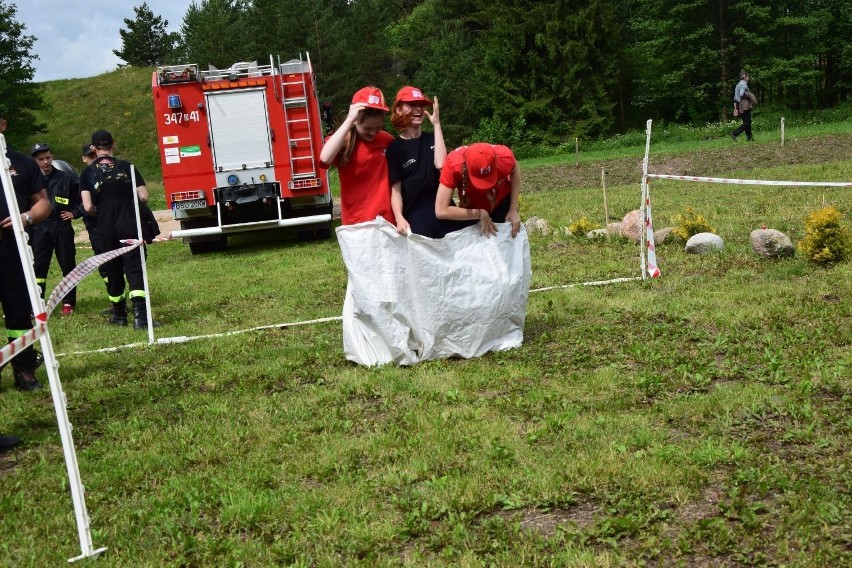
pixel 699 419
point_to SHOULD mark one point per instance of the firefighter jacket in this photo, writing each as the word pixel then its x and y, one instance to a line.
pixel 63 192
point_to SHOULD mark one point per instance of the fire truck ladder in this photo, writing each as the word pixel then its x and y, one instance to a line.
pixel 297 119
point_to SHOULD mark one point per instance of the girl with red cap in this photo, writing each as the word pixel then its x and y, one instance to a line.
pixel 488 181
pixel 358 148
pixel 415 159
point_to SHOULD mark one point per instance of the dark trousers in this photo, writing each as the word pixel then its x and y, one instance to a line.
pixel 745 126
pixel 91 224
pixel 128 264
pixel 13 287
pixel 52 237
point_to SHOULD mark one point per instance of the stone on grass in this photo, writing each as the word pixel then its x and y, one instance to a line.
pixel 613 229
pixel 662 235
pixel 597 234
pixel 702 243
pixel 769 243
pixel 537 225
pixel 631 225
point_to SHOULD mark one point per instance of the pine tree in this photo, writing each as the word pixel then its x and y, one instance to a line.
pixel 19 96
pixel 145 42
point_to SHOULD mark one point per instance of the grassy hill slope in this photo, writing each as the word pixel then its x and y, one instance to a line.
pixel 119 101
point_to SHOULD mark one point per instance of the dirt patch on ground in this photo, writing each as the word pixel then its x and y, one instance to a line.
pixel 713 162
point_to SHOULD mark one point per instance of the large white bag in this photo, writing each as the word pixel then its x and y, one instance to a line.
pixel 412 298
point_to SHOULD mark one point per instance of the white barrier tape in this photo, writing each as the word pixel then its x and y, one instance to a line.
pixel 11 349
pixel 595 283
pixel 187 338
pixel 752 181
pixel 82 270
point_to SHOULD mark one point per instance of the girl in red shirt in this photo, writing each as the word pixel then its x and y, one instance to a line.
pixel 358 148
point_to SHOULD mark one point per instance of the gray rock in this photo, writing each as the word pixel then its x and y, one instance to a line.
pixel 702 243
pixel 537 225
pixel 614 229
pixel 662 235
pixel 597 234
pixel 769 243
pixel 631 225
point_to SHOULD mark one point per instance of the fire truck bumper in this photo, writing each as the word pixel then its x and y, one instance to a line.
pixel 255 226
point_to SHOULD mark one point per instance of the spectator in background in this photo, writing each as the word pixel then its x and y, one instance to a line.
pixel 56 234
pixel 358 148
pixel 744 101
pixel 488 182
pixel 415 159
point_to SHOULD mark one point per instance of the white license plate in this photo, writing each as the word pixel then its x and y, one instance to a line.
pixel 191 204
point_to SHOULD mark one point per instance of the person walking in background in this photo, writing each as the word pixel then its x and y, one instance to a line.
pixel 31 195
pixel 56 233
pixel 415 159
pixel 107 193
pixel 488 182
pixel 744 101
pixel 358 149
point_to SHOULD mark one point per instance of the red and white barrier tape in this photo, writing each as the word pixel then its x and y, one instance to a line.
pixel 8 351
pixel 752 181
pixel 84 269
pixel 11 349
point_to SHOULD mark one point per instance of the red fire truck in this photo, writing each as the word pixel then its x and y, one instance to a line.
pixel 240 149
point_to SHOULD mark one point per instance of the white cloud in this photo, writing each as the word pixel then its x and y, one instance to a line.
pixel 77 39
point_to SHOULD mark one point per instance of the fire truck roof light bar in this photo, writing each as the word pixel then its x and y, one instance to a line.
pixel 258 226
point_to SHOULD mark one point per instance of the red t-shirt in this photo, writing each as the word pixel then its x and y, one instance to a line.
pixel 451 176
pixel 364 185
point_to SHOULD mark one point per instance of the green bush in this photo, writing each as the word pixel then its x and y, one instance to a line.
pixel 826 240
pixel 690 223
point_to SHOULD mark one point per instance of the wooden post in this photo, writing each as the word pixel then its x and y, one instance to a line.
pixel 576 152
pixel 603 183
pixel 782 131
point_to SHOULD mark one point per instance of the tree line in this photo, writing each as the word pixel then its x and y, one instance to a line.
pixel 535 71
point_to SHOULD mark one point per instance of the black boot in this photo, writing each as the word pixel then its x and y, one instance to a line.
pixel 8 442
pixel 119 313
pixel 140 314
pixel 24 367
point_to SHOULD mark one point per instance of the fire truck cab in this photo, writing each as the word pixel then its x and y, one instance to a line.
pixel 240 149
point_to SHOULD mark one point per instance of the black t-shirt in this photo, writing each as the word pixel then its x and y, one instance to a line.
pixel 412 162
pixel 109 182
pixel 26 179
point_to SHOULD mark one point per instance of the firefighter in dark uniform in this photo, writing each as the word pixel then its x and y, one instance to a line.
pixel 56 232
pixel 32 201
pixel 107 192
pixel 91 222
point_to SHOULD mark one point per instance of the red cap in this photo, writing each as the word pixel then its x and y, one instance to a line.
pixel 412 95
pixel 372 96
pixel 481 162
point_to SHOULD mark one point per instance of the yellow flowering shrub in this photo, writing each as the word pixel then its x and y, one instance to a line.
pixel 690 223
pixel 826 240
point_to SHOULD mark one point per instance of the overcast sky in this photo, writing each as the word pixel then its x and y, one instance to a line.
pixel 76 38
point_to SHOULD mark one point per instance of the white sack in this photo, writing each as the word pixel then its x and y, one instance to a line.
pixel 412 298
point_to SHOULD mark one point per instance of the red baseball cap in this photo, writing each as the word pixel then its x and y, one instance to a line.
pixel 411 95
pixel 481 162
pixel 372 96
